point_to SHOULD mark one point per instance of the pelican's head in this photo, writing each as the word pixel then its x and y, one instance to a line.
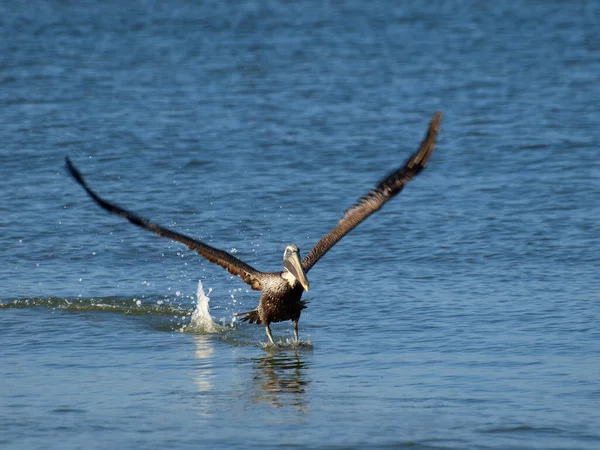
pixel 292 263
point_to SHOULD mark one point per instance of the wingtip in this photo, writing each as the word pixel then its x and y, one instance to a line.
pixel 428 145
pixel 73 171
pixel 435 122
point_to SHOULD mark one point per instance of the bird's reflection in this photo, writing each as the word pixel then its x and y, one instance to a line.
pixel 281 379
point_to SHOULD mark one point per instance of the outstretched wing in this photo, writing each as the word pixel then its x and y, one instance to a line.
pixel 375 199
pixel 220 257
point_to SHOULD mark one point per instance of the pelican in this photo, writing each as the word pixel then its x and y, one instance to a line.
pixel 281 292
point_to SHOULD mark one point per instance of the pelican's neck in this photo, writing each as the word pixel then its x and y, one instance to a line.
pixel 287 276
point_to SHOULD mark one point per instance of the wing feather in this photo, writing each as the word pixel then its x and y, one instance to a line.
pixel 387 188
pixel 214 255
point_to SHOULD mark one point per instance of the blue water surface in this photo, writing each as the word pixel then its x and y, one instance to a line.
pixel 464 314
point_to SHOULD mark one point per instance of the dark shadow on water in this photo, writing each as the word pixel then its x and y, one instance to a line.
pixel 281 378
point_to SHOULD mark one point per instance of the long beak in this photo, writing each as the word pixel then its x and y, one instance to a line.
pixel 294 266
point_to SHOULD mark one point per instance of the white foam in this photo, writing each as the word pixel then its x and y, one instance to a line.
pixel 287 344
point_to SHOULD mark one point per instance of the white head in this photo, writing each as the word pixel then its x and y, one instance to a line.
pixel 291 262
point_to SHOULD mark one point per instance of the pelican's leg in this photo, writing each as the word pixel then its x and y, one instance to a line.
pixel 268 330
pixel 295 324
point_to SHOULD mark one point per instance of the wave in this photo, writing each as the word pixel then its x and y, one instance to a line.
pixel 182 315
pixel 107 304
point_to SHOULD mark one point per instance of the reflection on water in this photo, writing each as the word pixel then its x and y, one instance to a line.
pixel 204 374
pixel 278 378
pixel 281 380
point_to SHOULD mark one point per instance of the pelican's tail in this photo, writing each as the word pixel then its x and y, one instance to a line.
pixel 249 316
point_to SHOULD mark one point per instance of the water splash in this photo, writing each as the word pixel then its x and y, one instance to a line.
pixel 201 318
pixel 286 344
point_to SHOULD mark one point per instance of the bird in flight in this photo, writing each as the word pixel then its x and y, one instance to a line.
pixel 281 292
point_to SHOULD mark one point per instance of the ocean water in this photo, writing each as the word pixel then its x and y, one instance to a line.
pixel 464 314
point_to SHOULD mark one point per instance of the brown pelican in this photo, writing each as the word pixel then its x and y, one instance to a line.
pixel 281 292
